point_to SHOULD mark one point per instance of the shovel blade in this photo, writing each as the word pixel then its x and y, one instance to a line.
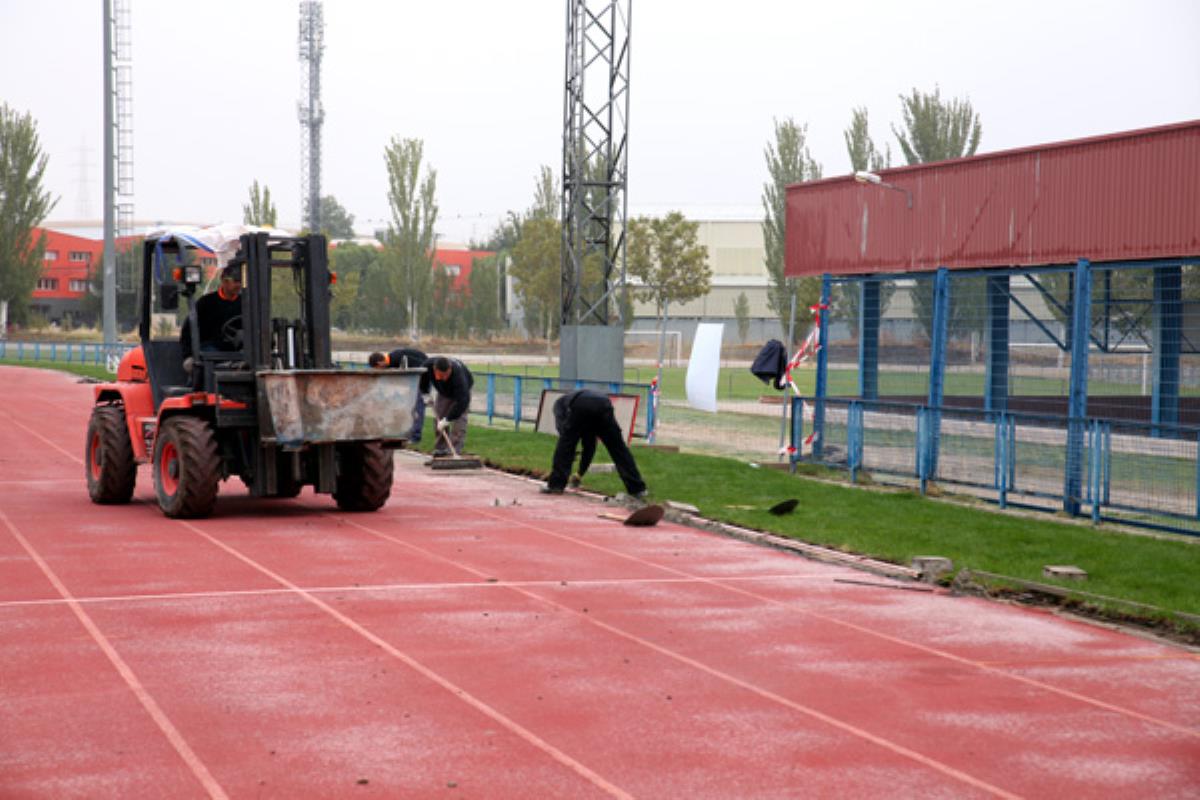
pixel 784 507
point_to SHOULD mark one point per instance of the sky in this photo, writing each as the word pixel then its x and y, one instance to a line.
pixel 480 82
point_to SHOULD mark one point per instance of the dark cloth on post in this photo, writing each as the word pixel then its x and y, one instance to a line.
pixel 456 388
pixel 582 417
pixel 212 313
pixel 771 363
pixel 414 358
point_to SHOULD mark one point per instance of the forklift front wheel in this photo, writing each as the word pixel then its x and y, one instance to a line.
pixel 187 468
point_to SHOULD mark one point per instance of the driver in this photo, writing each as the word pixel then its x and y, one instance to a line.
pixel 218 315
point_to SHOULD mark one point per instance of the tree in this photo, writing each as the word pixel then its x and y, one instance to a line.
pixel 24 204
pixel 260 210
pixel 741 310
pixel 483 301
pixel 862 152
pixel 935 130
pixel 410 247
pixel 537 275
pixel 336 222
pixel 664 255
pixel 788 161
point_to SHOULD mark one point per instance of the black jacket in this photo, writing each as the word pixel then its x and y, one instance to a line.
pixel 212 312
pixel 771 363
pixel 456 388
pixel 410 355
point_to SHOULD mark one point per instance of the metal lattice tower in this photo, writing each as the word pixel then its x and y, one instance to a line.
pixel 312 113
pixel 595 139
pixel 118 150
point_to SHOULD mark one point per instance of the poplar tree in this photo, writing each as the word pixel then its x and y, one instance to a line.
pixel 788 161
pixel 260 210
pixel 24 204
pixel 410 245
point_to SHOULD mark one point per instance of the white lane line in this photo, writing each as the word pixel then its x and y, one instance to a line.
pixel 981 665
pixel 12 421
pixel 384 587
pixel 127 674
pixel 460 693
pixel 760 691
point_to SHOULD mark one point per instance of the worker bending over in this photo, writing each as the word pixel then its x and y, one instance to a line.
pixel 405 358
pixel 584 415
pixel 453 382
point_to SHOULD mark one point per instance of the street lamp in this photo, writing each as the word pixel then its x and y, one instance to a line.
pixel 863 176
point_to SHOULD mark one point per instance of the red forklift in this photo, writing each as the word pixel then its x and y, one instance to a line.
pixel 270 407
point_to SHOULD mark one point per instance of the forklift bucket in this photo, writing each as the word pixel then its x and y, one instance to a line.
pixel 322 406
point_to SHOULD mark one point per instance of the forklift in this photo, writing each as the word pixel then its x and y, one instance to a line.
pixel 270 407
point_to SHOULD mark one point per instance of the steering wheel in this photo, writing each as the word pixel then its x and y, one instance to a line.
pixel 231 332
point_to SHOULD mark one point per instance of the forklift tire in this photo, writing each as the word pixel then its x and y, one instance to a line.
pixel 364 479
pixel 108 460
pixel 187 468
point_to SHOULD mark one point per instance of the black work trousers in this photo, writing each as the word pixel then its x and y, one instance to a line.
pixel 589 419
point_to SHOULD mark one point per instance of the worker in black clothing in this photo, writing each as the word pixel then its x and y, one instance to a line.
pixel 405 358
pixel 453 382
pixel 218 317
pixel 584 415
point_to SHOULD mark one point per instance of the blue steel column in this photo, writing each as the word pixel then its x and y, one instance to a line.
pixel 937 367
pixel 868 339
pixel 822 370
pixel 996 382
pixel 1081 324
pixel 1168 337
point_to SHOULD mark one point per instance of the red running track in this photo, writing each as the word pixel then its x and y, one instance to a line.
pixel 448 646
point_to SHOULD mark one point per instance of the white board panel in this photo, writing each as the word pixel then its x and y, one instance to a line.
pixel 625 408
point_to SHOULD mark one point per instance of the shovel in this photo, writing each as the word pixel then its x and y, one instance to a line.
pixel 457 462
pixel 644 516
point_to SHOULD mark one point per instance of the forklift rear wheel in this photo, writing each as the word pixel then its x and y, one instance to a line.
pixel 187 467
pixel 111 468
pixel 364 479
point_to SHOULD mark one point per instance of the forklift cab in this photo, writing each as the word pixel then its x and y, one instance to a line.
pixel 284 321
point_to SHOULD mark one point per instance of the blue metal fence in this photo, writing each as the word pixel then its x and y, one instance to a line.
pixel 516 397
pixel 1131 472
pixel 67 352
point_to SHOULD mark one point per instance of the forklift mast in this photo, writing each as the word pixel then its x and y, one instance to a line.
pixel 275 342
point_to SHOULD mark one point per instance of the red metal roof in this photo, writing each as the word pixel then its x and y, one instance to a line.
pixel 1124 196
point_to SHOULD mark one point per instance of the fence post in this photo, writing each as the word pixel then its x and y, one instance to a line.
pixel 1081 317
pixel 822 371
pixel 937 367
pixel 491 396
pixel 854 438
pixel 1000 458
pixel 1094 467
pixel 797 430
pixel 517 401
pixel 920 443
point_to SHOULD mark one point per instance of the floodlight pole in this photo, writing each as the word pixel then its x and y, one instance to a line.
pixel 108 308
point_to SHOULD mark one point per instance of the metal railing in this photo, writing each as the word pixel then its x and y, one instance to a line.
pixel 516 397
pixel 1131 472
pixel 67 352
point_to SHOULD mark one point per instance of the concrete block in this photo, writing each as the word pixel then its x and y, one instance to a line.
pixel 1070 573
pixel 930 568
